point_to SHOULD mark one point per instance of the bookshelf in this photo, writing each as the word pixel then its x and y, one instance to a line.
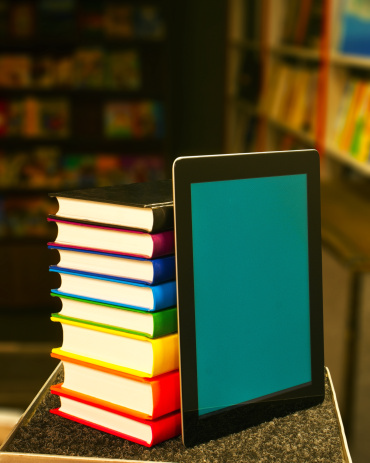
pixel 83 102
pixel 298 77
pixel 309 72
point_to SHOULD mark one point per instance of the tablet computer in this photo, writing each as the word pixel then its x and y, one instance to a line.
pixel 249 288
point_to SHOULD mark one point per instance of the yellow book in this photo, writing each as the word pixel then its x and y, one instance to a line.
pixel 343 109
pixel 364 142
pixel 299 97
pixel 345 137
pixel 110 348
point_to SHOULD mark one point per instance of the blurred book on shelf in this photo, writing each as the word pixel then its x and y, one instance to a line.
pixel 354 29
pixel 302 23
pixel 87 67
pixel 34 117
pixel 47 168
pixel 123 70
pixel 351 129
pixel 290 96
pixel 15 71
pixel 69 19
pixel 134 119
pixel 24 217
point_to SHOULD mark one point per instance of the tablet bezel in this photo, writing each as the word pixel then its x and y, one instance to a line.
pixel 208 168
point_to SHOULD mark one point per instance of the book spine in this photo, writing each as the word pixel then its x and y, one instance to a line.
pixel 162 218
pixel 164 269
pixel 165 354
pixel 164 322
pixel 164 295
pixel 163 243
pixel 166 394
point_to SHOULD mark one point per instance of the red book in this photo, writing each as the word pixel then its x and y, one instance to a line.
pixel 109 419
pixel 154 397
pixel 114 239
pixel 4 117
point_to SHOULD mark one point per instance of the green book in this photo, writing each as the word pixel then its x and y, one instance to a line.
pixel 149 324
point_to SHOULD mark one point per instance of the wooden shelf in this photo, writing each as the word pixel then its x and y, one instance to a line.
pixel 299 134
pixel 350 60
pixel 300 53
pixel 42 45
pixel 347 159
pixel 245 44
pixel 119 145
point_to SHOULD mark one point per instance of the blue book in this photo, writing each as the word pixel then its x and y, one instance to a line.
pixel 355 28
pixel 116 290
pixel 148 271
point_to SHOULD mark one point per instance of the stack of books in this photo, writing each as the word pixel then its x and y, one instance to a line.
pixel 119 318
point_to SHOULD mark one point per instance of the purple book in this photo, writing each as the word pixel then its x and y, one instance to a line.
pixel 114 240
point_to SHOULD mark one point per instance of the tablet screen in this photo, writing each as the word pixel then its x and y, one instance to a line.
pixel 251 288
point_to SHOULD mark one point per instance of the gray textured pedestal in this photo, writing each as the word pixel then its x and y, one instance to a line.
pixel 312 435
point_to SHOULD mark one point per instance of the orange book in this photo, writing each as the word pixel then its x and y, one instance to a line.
pixel 147 398
pixel 113 421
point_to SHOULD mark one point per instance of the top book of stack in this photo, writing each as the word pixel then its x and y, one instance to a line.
pixel 146 206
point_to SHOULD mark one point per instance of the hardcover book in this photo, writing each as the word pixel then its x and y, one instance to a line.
pixel 113 421
pixel 111 348
pixel 150 271
pixel 116 290
pixel 143 323
pixel 114 240
pixel 147 398
pixel 145 206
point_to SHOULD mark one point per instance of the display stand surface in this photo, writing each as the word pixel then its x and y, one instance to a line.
pixel 312 435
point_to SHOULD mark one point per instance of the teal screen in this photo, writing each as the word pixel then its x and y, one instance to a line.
pixel 251 289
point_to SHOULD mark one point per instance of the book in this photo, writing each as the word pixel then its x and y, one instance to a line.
pixel 354 30
pixel 146 398
pixel 118 21
pixel 114 240
pixel 89 68
pixel 116 290
pixel 349 125
pixel 144 206
pixel 149 22
pixel 363 154
pixel 150 324
pixel 346 97
pixel 109 419
pixel 150 271
pixel 111 348
pixel 118 120
pixel 358 134
pixel 124 70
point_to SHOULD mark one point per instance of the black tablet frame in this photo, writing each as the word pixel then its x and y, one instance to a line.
pixel 208 168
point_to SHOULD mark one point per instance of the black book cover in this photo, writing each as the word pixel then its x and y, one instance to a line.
pixel 154 195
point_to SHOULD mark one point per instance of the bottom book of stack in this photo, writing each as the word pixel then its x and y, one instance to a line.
pixel 119 382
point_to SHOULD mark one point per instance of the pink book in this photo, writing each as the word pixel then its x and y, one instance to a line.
pixel 113 239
